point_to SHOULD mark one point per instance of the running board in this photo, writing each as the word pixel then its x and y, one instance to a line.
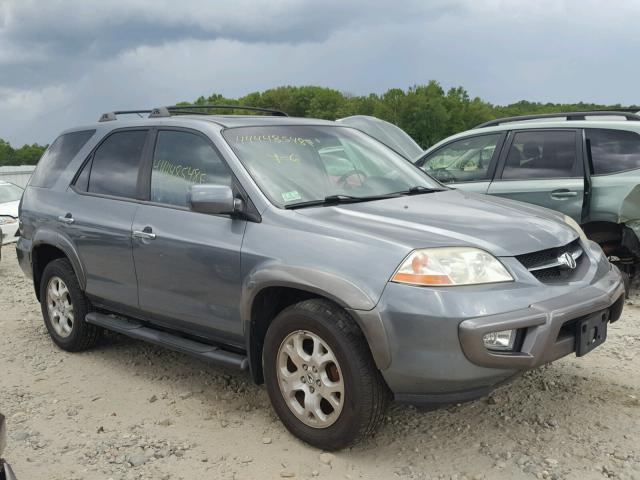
pixel 134 329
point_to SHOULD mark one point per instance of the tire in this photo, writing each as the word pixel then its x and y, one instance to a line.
pixel 71 303
pixel 358 394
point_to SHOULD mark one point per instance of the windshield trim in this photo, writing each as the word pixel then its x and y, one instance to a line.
pixel 319 124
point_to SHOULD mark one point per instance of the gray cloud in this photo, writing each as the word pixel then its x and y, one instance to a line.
pixel 39 35
pixel 64 62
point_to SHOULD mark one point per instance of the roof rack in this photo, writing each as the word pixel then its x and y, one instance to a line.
pixel 109 116
pixel 570 116
pixel 187 109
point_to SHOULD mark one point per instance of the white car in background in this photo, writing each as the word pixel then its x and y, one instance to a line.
pixel 10 196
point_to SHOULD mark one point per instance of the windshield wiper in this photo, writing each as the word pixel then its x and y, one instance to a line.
pixel 338 199
pixel 417 190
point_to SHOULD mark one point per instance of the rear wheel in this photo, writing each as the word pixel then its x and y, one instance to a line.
pixel 64 307
pixel 320 376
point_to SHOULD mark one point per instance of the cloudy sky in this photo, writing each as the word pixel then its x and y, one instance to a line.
pixel 63 62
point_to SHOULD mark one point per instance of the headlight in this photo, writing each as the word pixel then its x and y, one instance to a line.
pixel 6 220
pixel 450 266
pixel 573 224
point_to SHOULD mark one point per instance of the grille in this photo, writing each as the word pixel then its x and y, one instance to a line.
pixel 546 266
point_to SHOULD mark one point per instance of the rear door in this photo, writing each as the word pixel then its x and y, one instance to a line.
pixel 188 263
pixel 99 214
pixel 543 167
pixel 467 163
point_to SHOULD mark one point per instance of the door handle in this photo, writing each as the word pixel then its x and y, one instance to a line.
pixel 145 234
pixel 563 193
pixel 68 219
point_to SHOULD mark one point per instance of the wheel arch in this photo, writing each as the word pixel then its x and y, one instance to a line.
pixel 265 302
pixel 48 246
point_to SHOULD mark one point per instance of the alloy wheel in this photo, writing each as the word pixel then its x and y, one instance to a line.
pixel 60 307
pixel 310 379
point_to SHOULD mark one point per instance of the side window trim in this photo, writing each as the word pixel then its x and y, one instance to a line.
pixel 492 163
pixel 578 167
pixel 88 163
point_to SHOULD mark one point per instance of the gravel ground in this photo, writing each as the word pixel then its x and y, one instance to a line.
pixel 128 410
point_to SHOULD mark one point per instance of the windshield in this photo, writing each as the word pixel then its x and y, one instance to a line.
pixel 296 164
pixel 10 193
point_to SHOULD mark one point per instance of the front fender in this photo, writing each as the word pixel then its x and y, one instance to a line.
pixel 344 292
pixel 325 284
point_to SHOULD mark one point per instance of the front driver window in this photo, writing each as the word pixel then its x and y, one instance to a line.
pixel 182 159
pixel 465 160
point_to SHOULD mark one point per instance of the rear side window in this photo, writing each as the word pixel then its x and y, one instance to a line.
pixel 613 150
pixel 541 154
pixel 116 163
pixel 182 159
pixel 58 156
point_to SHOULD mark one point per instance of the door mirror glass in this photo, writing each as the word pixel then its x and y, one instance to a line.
pixel 213 199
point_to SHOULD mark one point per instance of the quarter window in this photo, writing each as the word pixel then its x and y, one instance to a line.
pixel 541 155
pixel 182 159
pixel 465 160
pixel 116 164
pixel 58 156
pixel 613 150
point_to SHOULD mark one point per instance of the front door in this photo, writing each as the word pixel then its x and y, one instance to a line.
pixel 543 167
pixel 188 263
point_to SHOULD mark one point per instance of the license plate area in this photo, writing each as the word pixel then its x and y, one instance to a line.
pixel 591 332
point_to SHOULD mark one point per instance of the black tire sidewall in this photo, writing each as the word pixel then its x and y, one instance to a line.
pixel 63 270
pixel 347 427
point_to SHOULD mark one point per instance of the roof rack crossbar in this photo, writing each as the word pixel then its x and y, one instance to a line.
pixel 570 116
pixel 109 116
pixel 178 108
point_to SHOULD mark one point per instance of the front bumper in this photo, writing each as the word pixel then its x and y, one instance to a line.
pixel 434 349
pixel 541 325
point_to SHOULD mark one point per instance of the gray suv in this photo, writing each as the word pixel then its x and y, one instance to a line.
pixel 310 254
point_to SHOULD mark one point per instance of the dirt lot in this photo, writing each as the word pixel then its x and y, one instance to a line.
pixel 128 410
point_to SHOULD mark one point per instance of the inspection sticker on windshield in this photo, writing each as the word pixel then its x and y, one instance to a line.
pixel 290 196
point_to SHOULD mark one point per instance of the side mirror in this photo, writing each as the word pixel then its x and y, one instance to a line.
pixel 214 199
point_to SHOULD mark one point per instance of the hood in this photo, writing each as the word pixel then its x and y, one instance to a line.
pixel 10 208
pixel 450 218
pixel 391 135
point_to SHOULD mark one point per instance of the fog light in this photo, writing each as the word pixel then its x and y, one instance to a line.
pixel 503 340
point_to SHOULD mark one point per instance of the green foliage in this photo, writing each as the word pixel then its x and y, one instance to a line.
pixel 426 112
pixel 25 155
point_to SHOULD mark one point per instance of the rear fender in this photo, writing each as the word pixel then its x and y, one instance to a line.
pixel 47 236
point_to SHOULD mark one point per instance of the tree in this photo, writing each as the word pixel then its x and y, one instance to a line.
pixel 426 112
pixel 25 155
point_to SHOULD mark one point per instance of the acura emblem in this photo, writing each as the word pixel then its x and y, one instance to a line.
pixel 567 260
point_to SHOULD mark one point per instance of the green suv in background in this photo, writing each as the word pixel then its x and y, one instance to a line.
pixel 583 164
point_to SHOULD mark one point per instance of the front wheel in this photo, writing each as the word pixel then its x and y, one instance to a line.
pixel 321 377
